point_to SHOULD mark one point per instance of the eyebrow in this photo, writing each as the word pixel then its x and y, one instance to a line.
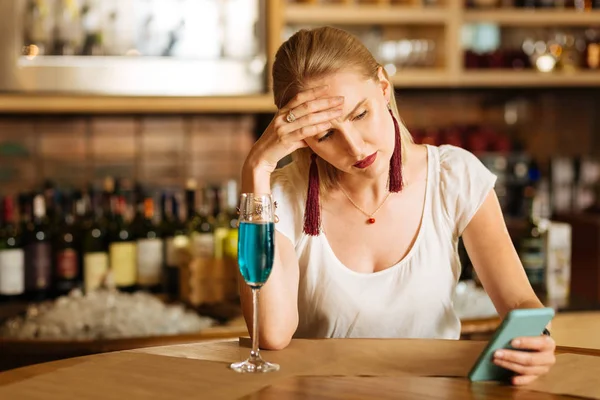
pixel 360 103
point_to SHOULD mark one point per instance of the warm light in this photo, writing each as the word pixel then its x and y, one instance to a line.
pixel 31 51
pixel 133 53
pixel 545 63
pixel 390 69
pixel 556 50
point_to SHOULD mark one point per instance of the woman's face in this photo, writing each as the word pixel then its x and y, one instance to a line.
pixel 361 141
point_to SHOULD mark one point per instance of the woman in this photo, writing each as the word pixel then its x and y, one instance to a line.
pixel 370 248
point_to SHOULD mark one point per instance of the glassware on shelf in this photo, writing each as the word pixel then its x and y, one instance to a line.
pixel 592 51
pixel 407 53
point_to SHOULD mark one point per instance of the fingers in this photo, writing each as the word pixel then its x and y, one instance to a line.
pixel 538 343
pixel 307 131
pixel 307 126
pixel 314 106
pixel 315 119
pixel 523 379
pixel 304 96
pixel 522 369
pixel 526 358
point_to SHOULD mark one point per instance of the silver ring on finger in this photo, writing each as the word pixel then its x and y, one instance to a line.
pixel 290 117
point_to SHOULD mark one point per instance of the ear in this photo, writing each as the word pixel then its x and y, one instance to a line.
pixel 384 83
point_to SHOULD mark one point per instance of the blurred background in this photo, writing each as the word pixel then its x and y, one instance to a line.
pixel 124 125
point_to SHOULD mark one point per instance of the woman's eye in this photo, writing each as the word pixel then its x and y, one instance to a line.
pixel 324 137
pixel 361 115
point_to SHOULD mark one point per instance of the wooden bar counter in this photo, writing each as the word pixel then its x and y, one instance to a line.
pixel 316 369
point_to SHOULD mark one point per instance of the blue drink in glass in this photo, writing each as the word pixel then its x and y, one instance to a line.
pixel 256 249
pixel 256 253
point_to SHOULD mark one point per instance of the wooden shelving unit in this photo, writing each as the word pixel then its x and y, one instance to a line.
pixel 446 19
pixel 509 78
pixel 542 18
pixel 451 16
pixel 57 104
pixel 363 14
pixel 422 78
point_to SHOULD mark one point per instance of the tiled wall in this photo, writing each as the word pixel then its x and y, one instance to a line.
pixel 159 151
pixel 546 122
pixel 164 151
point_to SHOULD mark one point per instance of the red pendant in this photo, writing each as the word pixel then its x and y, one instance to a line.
pixel 371 220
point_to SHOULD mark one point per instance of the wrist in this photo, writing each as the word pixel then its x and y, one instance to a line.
pixel 256 178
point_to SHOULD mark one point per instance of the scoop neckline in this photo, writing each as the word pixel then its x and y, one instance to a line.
pixel 424 220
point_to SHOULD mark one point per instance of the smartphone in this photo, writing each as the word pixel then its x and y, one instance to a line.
pixel 517 323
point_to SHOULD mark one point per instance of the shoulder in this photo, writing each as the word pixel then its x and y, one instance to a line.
pixel 456 158
pixel 464 183
pixel 461 167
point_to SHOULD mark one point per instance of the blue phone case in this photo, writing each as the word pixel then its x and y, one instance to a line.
pixel 517 323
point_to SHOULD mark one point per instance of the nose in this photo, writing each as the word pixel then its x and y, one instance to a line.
pixel 353 142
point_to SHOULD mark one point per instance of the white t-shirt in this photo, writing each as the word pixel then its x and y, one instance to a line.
pixel 413 298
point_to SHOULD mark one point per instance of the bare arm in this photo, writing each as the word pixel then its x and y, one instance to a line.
pixel 496 261
pixel 494 257
pixel 278 305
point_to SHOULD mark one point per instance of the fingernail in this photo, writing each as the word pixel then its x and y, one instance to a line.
pixel 499 354
pixel 516 343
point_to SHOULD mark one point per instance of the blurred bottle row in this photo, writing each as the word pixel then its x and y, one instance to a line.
pixel 565 184
pixel 379 2
pixel 487 46
pixel 580 5
pixel 55 240
pixel 207 29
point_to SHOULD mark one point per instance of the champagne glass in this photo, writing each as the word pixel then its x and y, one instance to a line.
pixel 256 250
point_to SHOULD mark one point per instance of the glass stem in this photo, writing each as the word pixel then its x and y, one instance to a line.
pixel 254 353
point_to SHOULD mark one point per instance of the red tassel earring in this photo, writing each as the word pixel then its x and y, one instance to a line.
pixel 395 182
pixel 312 212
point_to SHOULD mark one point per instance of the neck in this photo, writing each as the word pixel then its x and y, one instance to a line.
pixel 364 191
pixel 370 191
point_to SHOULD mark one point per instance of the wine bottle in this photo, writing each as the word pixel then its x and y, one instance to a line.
pixel 122 249
pixel 149 250
pixel 202 240
pixel 226 239
pixel 38 253
pixel 176 243
pixel 532 249
pixel 95 254
pixel 12 257
pixel 67 248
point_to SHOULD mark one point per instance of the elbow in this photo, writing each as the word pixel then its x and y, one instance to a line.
pixel 275 342
pixel 276 338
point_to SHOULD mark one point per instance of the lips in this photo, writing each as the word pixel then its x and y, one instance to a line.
pixel 365 162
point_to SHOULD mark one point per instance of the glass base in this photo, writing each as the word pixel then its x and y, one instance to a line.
pixel 254 365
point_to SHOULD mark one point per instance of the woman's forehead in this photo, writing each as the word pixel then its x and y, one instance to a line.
pixel 350 85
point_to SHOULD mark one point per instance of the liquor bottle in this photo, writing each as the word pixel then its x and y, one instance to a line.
pixel 228 225
pixel 202 240
pixel 37 28
pixel 592 51
pixel 149 250
pixel 532 249
pixel 12 257
pixel 176 242
pixel 95 254
pixel 122 249
pixel 67 251
pixel 38 253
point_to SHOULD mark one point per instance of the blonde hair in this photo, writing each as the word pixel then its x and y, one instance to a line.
pixel 313 54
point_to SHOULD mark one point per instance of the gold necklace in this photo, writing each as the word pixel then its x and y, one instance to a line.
pixel 371 220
